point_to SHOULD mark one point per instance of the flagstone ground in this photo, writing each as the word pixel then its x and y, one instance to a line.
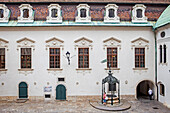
pixel 137 106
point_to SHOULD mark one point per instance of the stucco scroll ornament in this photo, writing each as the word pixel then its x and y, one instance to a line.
pixel 25 43
pixel 83 43
pixel 25 72
pixel 112 42
pixel 54 43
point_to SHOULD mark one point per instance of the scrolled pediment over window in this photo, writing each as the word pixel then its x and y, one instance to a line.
pixel 111 13
pixel 26 13
pixel 83 13
pixel 4 13
pixel 54 42
pixel 55 15
pixel 83 42
pixel 140 42
pixel 3 43
pixel 112 42
pixel 138 14
pixel 26 42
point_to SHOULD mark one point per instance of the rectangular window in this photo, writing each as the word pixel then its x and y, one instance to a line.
pixel 139 57
pixel 25 13
pixel 2 58
pixel 112 57
pixel 25 57
pixel 54 57
pixel 160 53
pixel 54 13
pixel 83 57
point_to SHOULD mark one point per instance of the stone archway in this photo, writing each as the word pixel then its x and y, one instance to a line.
pixel 142 89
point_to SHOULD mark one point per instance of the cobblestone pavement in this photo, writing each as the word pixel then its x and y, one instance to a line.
pixel 137 106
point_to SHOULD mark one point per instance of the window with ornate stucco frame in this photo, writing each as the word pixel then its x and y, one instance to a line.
pixel 26 43
pixel 143 44
pixel 4 45
pixel 5 13
pixel 55 15
pixel 28 9
pixel 111 13
pixel 54 43
pixel 114 44
pixel 83 13
pixel 138 14
pixel 81 44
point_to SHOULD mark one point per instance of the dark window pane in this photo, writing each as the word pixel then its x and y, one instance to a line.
pixel 164 53
pixel 140 57
pixel 160 53
pixel 25 13
pixel 54 13
pixel 25 57
pixel 139 13
pixel 111 13
pixel 112 57
pixel 83 57
pixel 83 13
pixel 1 13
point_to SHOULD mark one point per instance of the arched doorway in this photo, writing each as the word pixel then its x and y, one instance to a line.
pixel 60 92
pixel 23 91
pixel 142 89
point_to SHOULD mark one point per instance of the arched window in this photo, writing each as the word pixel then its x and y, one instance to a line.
pixel 83 13
pixel 25 13
pixel 54 13
pixel 160 53
pixel 111 13
pixel 162 90
pixel 139 13
pixel 164 53
pixel 1 13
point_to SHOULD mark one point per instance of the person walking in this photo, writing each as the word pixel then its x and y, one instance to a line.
pixel 150 92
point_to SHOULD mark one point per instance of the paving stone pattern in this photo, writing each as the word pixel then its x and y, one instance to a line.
pixel 137 106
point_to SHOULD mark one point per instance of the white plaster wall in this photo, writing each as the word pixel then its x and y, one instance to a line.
pixel 164 69
pixel 87 80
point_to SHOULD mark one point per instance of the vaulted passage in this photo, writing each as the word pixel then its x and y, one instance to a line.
pixel 142 89
pixel 23 90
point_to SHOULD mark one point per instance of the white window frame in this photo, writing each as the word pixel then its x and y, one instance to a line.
pixel 134 13
pixel 58 19
pixel 116 19
pixel 30 19
pixel 6 13
pixel 26 43
pixel 87 18
pixel 140 43
pixel 83 43
pixel 54 43
pixel 4 44
pixel 112 43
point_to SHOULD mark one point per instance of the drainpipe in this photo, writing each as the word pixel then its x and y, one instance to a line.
pixel 154 30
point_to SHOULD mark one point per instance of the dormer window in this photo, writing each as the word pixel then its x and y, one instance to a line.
pixel 4 13
pixel 138 14
pixel 26 13
pixel 111 13
pixel 54 14
pixel 83 13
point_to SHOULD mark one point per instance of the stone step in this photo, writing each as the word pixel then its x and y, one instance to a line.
pixel 21 100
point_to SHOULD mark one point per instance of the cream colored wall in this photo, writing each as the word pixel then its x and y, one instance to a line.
pixel 82 82
pixel 164 68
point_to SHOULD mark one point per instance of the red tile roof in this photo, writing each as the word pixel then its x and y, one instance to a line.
pixel 92 1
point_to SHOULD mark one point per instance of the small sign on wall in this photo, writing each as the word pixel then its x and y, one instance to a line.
pixel 48 89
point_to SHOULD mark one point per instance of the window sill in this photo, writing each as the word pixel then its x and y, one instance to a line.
pixel 163 63
pixel 54 69
pixel 26 69
pixel 140 68
pixel 3 69
pixel 112 68
pixel 83 69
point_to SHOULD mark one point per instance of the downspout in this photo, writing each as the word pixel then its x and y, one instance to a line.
pixel 154 30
